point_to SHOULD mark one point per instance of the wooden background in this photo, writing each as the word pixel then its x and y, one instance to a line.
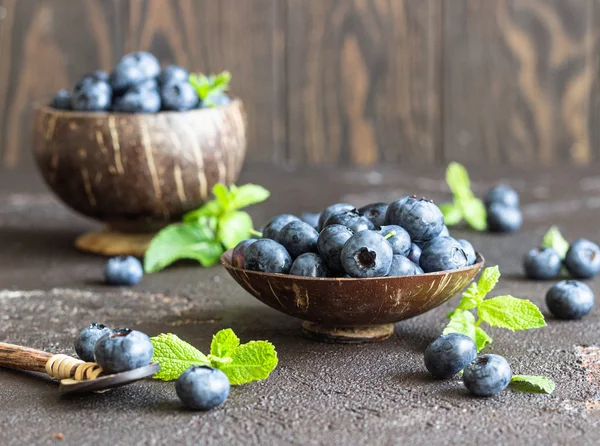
pixel 339 82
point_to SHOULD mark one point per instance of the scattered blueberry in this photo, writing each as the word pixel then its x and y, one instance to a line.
pixel 123 271
pixel 123 349
pixel 401 266
pixel 330 243
pixel 375 212
pixel 92 95
pixel 414 255
pixel 178 96
pixel 367 254
pixel 570 299
pixel 502 218
pixel 173 73
pixel 134 68
pixel 267 256
pixel 333 209
pixel 138 99
pixel 309 265
pixel 583 259
pixel 449 354
pixel 237 256
pixel 542 264
pixel 442 254
pixel 502 194
pixel 351 219
pixel 276 224
pixel 87 338
pixel 311 218
pixel 202 387
pixel 61 100
pixel 400 241
pixel 469 251
pixel 422 219
pixel 298 238
pixel 487 375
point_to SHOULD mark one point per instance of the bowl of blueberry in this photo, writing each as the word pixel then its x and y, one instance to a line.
pixel 140 146
pixel 350 274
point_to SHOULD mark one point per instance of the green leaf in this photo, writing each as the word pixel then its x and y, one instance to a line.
pixel 470 298
pixel 211 208
pixel 488 280
pixel 220 191
pixel 481 338
pixel 207 86
pixel 182 241
pixel 457 178
pixel 224 343
pixel 251 362
pixel 248 194
pixel 475 214
pixel 510 312
pixel 555 240
pixel 174 356
pixel 461 322
pixel 452 214
pixel 233 228
pixel 532 384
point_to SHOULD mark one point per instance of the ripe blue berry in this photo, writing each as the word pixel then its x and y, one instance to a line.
pixel 330 243
pixel 487 375
pixel 91 95
pixel 367 254
pixel 140 98
pixel 173 73
pixel 61 100
pixel 276 224
pixel 570 299
pixel 123 349
pixel 87 338
pixel 414 255
pixel 542 264
pixel 502 218
pixel 442 254
pixel 400 241
pixel 375 212
pixel 133 69
pixel 298 238
pixel 502 194
pixel 449 354
pixel 401 266
pixel 422 219
pixel 267 256
pixel 237 256
pixel 123 271
pixel 583 259
pixel 309 265
pixel 469 251
pixel 202 387
pixel 333 209
pixel 178 96
pixel 352 219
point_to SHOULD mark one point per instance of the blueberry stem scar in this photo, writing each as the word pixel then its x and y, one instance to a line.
pixel 390 235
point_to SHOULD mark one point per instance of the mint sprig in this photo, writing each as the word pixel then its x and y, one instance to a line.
pixel 532 384
pixel 253 361
pixel 555 240
pixel 210 86
pixel 207 232
pixel 465 205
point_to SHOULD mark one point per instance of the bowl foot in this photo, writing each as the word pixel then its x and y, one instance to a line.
pixel 112 243
pixel 347 335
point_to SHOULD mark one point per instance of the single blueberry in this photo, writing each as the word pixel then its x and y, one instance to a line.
pixel 123 349
pixel 542 264
pixel 87 338
pixel 267 256
pixel 330 243
pixel 583 259
pixel 61 100
pixel 487 375
pixel 352 219
pixel 469 251
pixel 502 218
pixel 276 224
pixel 375 212
pixel 173 73
pixel 449 354
pixel 311 218
pixel 400 241
pixel 570 299
pixel 422 219
pixel 445 232
pixel 138 99
pixel 178 96
pixel 401 266
pixel 414 255
pixel 134 68
pixel 202 387
pixel 367 254
pixel 502 194
pixel 123 271
pixel 442 254
pixel 93 95
pixel 309 265
pixel 237 256
pixel 333 209
pixel 298 238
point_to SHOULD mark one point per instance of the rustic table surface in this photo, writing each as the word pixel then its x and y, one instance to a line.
pixel 320 393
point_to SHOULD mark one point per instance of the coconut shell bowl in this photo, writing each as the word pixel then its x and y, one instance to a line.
pixel 352 310
pixel 137 172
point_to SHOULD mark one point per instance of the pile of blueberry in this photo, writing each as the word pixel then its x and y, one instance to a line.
pixel 582 261
pixel 123 349
pixel 136 85
pixel 406 237
pixel 502 206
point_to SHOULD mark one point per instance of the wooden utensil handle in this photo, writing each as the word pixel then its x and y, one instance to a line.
pixel 23 358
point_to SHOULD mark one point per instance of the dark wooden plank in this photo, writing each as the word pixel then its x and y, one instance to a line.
pixel 517 81
pixel 46 45
pixel 364 81
pixel 241 36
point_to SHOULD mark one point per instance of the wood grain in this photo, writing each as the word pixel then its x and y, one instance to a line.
pixel 363 81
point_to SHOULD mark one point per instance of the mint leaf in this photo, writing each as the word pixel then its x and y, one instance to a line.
pixel 224 343
pixel 211 208
pixel 457 178
pixel 233 228
pixel 470 208
pixel 481 338
pixel 510 312
pixel 452 214
pixel 488 280
pixel 220 191
pixel 475 214
pixel 470 298
pixel 251 362
pixel 174 356
pixel 555 240
pixel 182 241
pixel 461 322
pixel 248 194
pixel 532 384
pixel 207 86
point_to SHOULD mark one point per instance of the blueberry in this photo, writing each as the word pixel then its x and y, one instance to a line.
pixel 422 219
pixel 414 255
pixel 401 266
pixel 333 209
pixel 352 219
pixel 487 375
pixel 502 218
pixel 367 254
pixel 138 99
pixel 400 241
pixel 445 232
pixel 237 256
pixel 92 95
pixel 123 271
pixel 570 299
pixel 123 349
pixel 87 338
pixel 442 254
pixel 311 218
pixel 101 75
pixel 215 99
pixel 298 238
pixel 583 259
pixel 309 265
pixel 276 224
pixel 178 96
pixel 330 243
pixel 267 256
pixel 375 212
pixel 173 73
pixel 469 251
pixel 61 100
pixel 134 68
pixel 502 194
pixel 449 354
pixel 202 387
pixel 542 264
pixel 148 84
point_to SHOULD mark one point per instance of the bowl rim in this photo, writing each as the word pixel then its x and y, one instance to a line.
pixel 224 260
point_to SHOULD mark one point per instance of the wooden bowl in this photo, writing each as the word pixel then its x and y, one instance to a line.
pixel 139 172
pixel 352 310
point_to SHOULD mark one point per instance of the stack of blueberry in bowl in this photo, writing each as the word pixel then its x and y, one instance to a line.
pixel 407 237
